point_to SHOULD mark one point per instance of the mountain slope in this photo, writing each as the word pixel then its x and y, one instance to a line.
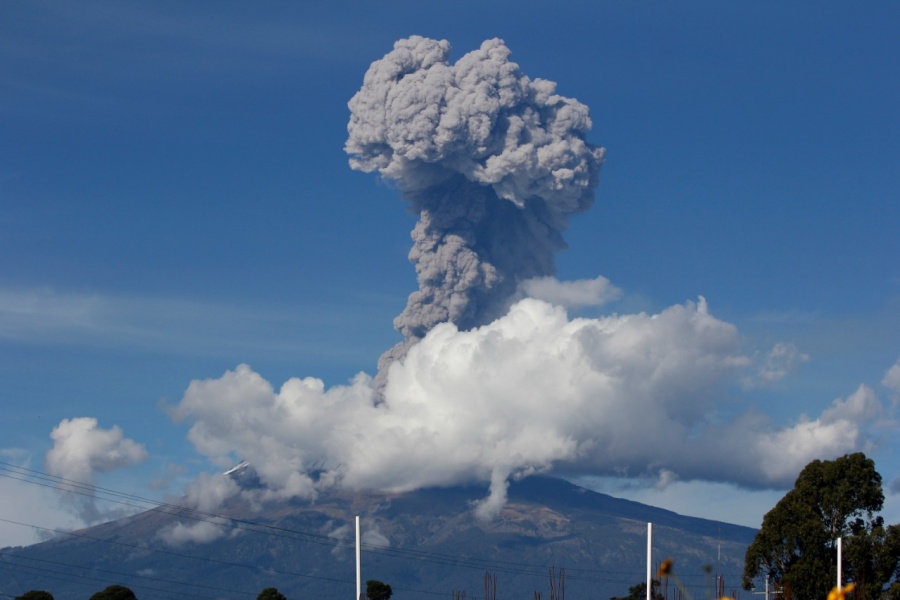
pixel 425 544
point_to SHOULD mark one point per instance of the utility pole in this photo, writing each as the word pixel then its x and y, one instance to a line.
pixel 754 592
pixel 767 588
pixel 649 561
pixel 358 570
pixel 839 549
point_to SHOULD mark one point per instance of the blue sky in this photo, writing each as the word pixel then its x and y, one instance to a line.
pixel 175 201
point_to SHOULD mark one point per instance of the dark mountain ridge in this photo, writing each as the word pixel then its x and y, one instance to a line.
pixel 425 543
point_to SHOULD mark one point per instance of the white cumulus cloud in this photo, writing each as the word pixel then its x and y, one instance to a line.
pixel 81 449
pixel 534 391
pixel 838 430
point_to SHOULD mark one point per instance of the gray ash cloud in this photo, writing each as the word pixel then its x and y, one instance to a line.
pixel 493 163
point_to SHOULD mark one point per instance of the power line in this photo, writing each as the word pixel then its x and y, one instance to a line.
pixel 215 561
pixel 178 554
pixel 82 488
pixel 267 570
pixel 105 494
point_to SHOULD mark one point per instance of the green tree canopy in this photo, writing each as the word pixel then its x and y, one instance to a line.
pixel 376 590
pixel 115 592
pixel 796 545
pixel 35 595
pixel 271 594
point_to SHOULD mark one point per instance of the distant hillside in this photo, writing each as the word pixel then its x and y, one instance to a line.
pixel 425 544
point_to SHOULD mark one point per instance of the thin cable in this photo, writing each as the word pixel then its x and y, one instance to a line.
pixel 66 485
pixel 217 519
pixel 179 554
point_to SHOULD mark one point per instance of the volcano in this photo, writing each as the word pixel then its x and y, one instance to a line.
pixel 425 544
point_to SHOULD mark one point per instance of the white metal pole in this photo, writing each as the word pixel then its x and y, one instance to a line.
pixel 649 559
pixel 839 563
pixel 358 571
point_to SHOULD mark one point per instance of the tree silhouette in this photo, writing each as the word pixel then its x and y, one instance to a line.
pixel 271 594
pixel 115 592
pixel 376 590
pixel 796 547
pixel 35 595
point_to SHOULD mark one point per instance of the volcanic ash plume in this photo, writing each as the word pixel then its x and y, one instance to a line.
pixel 493 163
pixel 497 381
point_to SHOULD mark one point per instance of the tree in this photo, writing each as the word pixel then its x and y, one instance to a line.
pixel 115 592
pixel 271 594
pixel 35 595
pixel 872 558
pixel 376 590
pixel 639 592
pixel 796 547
